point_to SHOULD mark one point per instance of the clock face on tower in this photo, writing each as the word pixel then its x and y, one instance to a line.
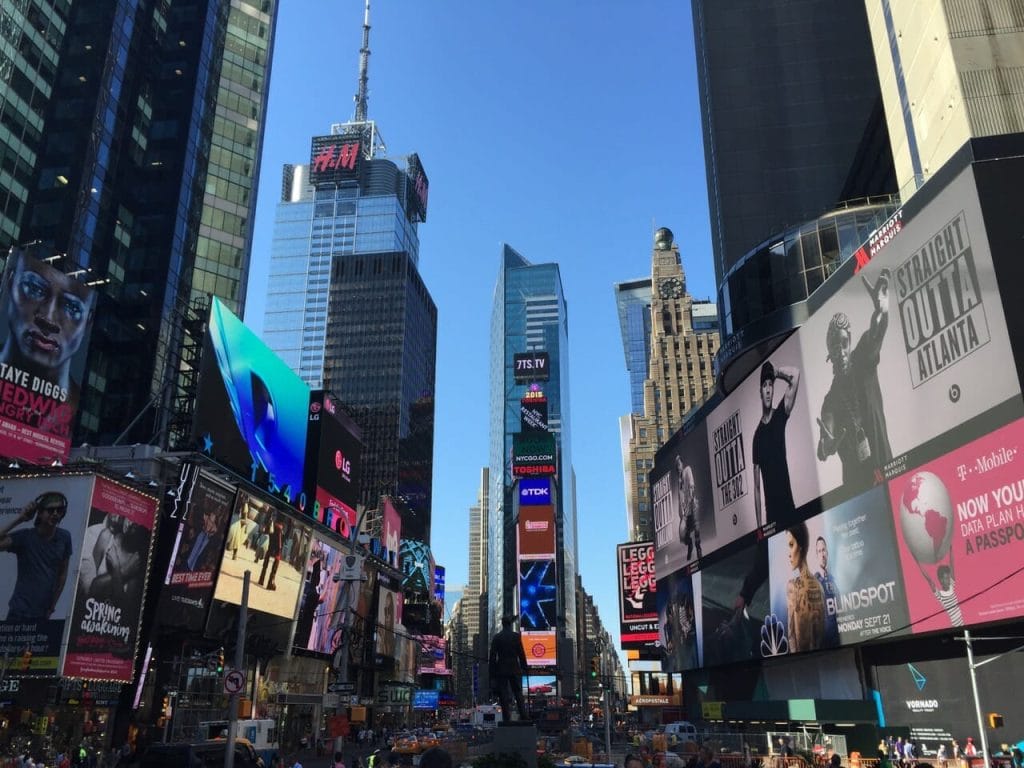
pixel 672 288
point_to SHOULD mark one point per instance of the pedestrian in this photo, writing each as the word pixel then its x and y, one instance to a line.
pixel 296 764
pixel 339 762
pixel 969 749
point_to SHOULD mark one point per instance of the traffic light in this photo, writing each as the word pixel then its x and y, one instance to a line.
pixel 220 661
pixel 995 720
pixel 26 660
pixel 165 707
pixel 595 666
pixel 86 695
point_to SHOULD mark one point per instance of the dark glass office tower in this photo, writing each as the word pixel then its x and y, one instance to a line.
pixel 792 115
pixel 132 141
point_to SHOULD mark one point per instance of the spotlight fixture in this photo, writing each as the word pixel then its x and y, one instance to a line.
pixel 129 475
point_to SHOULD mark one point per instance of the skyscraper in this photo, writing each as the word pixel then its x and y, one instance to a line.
pixel 530 315
pixel 678 375
pixel 347 308
pixel 131 144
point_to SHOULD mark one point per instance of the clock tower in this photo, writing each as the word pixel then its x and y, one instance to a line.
pixel 679 373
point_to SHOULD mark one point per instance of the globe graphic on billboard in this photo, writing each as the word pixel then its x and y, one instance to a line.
pixel 926 517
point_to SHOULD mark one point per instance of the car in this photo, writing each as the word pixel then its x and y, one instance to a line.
pixel 203 754
pixel 575 760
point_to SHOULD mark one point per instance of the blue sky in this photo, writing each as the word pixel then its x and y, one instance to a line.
pixel 567 129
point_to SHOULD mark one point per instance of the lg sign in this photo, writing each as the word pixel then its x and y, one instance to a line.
pixel 534 491
pixel 343 465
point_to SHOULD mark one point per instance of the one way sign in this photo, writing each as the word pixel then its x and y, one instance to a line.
pixel 338 687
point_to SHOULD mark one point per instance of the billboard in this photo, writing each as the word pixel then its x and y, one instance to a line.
pixel 531 366
pixel 733 596
pixel 420 188
pixel 638 601
pixel 201 512
pixel 44 339
pixel 539 648
pixel 536 529
pixel 335 158
pixel 535 491
pixel 432 659
pixel 389 617
pixel 42 520
pixel 251 409
pixel 273 547
pixel 959 523
pixel 925 317
pixel 334 454
pixel 425 699
pixel 835 578
pixel 533 454
pixel 533 410
pixel 320 609
pixel 681 496
pixel 392 532
pixel 439 572
pixel 105 622
pixel 417 565
pixel 538 595
pixel 677 621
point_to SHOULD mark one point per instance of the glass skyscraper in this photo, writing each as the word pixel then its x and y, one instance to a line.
pixel 530 314
pixel 348 311
pixel 633 302
pixel 130 135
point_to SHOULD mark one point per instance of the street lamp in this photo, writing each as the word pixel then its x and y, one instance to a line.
pixel 973 666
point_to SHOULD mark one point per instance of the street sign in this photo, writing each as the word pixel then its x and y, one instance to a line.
pixel 339 687
pixel 234 681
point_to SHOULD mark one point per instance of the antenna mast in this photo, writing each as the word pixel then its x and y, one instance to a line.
pixel 364 67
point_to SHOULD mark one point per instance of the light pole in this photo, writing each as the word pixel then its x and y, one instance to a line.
pixel 973 666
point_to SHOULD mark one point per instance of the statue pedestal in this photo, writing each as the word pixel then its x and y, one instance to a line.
pixel 519 737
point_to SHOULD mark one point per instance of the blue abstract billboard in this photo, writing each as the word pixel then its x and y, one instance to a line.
pixel 251 408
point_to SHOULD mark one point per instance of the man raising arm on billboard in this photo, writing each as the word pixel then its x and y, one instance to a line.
pixel 852 421
pixel 768 451
pixel 43 554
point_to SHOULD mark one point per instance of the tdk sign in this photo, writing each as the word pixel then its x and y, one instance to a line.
pixel 534 491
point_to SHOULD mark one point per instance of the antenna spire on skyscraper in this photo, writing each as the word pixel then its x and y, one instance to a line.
pixel 364 66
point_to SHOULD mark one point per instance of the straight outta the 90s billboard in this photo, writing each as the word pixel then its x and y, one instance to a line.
pixel 899 394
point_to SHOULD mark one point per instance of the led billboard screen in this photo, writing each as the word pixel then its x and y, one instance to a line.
pixel 531 366
pixel 389 618
pixel 333 455
pixel 251 409
pixel 42 520
pixel 432 659
pixel 44 339
pixel 335 158
pixel 536 530
pixel 538 595
pixel 638 595
pixel 273 547
pixel 321 611
pixel 420 188
pixel 533 454
pixel 202 512
pixel 900 394
pixel 417 566
pixel 105 622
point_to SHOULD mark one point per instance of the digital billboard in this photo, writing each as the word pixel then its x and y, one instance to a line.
pixel 335 158
pixel 333 463
pixel 273 547
pixel 681 496
pixel 535 492
pixel 899 393
pixel 531 366
pixel 638 595
pixel 432 655
pixel 105 621
pixel 417 566
pixel 911 347
pixel 420 188
pixel 42 521
pixel 538 595
pixel 201 512
pixel 533 410
pixel 677 621
pixel 251 409
pixel 389 618
pixel 539 647
pixel 439 573
pixel 533 454
pixel 835 578
pixel 425 699
pixel 319 617
pixel 392 532
pixel 959 523
pixel 536 531
pixel 44 339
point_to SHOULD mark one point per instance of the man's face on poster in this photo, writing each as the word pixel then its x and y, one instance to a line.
pixel 48 312
pixel 839 351
pixel 767 393
pixel 210 522
pixel 822 549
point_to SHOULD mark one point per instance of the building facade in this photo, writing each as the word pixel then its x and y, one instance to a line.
pixel 346 307
pixel 679 375
pixel 131 145
pixel 530 314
